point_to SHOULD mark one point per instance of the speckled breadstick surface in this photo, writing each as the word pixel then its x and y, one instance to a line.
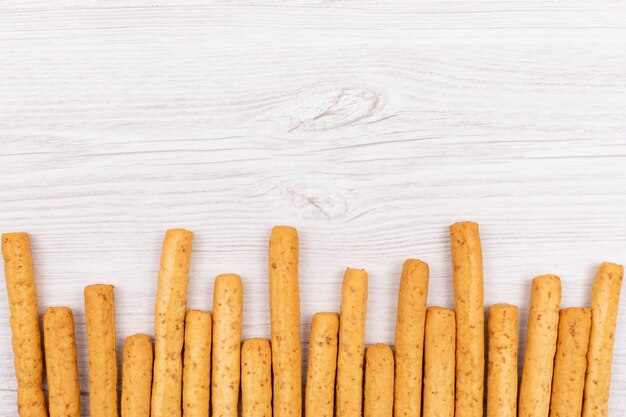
pixel 379 375
pixel 226 361
pixel 351 351
pixel 285 321
pixel 541 335
pixel 256 378
pixel 100 317
pixel 322 366
pixel 607 286
pixel 570 362
pixel 197 364
pixel 26 341
pixel 137 376
pixel 502 327
pixel 61 362
pixel 409 344
pixel 467 270
pixel 439 357
pixel 169 323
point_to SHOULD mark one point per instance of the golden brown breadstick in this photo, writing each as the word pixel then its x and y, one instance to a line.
pixel 320 379
pixel 26 341
pixel 543 321
pixel 169 323
pixel 409 344
pixel 467 267
pixel 61 362
pixel 100 316
pixel 378 398
pixel 351 343
pixel 502 364
pixel 137 376
pixel 439 357
pixel 197 364
pixel 227 326
pixel 285 320
pixel 570 362
pixel 604 303
pixel 256 378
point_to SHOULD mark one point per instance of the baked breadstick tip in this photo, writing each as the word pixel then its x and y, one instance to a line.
pixel 197 364
pixel 607 286
pixel 502 326
pixel 256 378
pixel 322 367
pixel 379 374
pixel 285 321
pixel 137 376
pixel 22 293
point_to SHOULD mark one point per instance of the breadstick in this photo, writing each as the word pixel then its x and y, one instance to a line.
pixel 543 321
pixel 439 357
pixel 169 323
pixel 22 293
pixel 378 399
pixel 502 364
pixel 197 364
pixel 227 314
pixel 256 378
pixel 467 266
pixel 320 380
pixel 285 321
pixel 604 303
pixel 100 316
pixel 351 343
pixel 61 362
pixel 137 376
pixel 570 363
pixel 409 344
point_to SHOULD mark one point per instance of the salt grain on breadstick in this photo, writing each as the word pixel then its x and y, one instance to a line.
pixel 439 357
pixel 322 367
pixel 137 376
pixel 61 362
pixel 26 341
pixel 543 321
pixel 351 343
pixel 604 304
pixel 227 327
pixel 256 378
pixel 409 345
pixel 285 321
pixel 100 317
pixel 379 375
pixel 197 364
pixel 169 323
pixel 502 365
pixel 570 362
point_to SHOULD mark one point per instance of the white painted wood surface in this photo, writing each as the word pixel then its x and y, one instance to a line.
pixel 370 126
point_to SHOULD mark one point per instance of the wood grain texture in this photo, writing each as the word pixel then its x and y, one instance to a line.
pixel 369 126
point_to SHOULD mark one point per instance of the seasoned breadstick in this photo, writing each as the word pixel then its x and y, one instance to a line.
pixel 570 363
pixel 137 376
pixel 227 314
pixel 256 378
pixel 467 266
pixel 604 303
pixel 100 316
pixel 351 343
pixel 61 362
pixel 320 379
pixel 285 321
pixel 197 364
pixel 378 399
pixel 543 321
pixel 502 365
pixel 26 341
pixel 409 344
pixel 169 323
pixel 439 345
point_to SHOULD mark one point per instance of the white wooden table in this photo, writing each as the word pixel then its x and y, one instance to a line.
pixel 370 126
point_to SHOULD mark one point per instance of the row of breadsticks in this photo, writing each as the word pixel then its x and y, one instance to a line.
pixel 199 364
